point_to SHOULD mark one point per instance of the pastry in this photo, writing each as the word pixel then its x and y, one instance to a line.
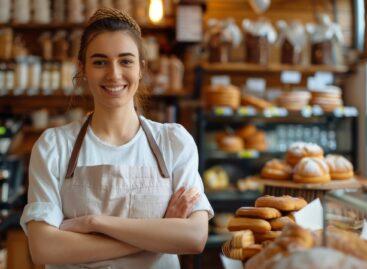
pixel 255 225
pixel 246 131
pixel 279 223
pixel 258 212
pixel 339 166
pixel 311 170
pixel 226 247
pixel 242 239
pixel 292 238
pixel 251 100
pixel 282 203
pixel 276 169
pixel 348 242
pixel 299 150
pixel 245 253
pixel 318 258
pixel 268 236
pixel 231 143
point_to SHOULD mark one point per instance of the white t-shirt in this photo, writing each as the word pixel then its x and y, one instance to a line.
pixel 52 151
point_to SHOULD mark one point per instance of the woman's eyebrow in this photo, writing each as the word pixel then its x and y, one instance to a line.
pixel 100 55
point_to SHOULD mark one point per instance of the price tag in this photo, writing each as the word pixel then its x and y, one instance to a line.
pixel 220 80
pixel 306 111
pixel 311 216
pixel 324 78
pixel 290 77
pixel 275 112
pixel 2 130
pixel 317 110
pixel 248 154
pixel 223 111
pixel 256 85
pixel 246 111
pixel 338 112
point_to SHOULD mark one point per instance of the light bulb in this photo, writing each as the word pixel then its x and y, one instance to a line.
pixel 156 10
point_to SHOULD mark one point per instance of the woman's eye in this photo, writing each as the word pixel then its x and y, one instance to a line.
pixel 99 63
pixel 126 62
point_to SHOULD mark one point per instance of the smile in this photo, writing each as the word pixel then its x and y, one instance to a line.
pixel 114 89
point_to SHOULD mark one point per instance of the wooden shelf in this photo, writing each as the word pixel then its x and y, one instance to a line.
pixel 166 24
pixel 271 68
pixel 25 103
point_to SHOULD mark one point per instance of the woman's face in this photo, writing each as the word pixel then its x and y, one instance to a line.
pixel 112 69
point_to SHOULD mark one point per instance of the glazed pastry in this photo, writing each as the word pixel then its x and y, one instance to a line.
pixel 231 143
pixel 340 167
pixel 258 212
pixel 279 223
pixel 277 169
pixel 311 170
pixel 299 150
pixel 268 236
pixel 242 239
pixel 282 203
pixel 255 225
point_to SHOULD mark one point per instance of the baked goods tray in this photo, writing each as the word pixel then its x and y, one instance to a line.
pixel 351 183
pixel 308 191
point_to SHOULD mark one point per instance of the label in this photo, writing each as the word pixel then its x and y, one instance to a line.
pixel 246 111
pixel 248 154
pixel 290 77
pixel 311 216
pixel 220 80
pixel 223 111
pixel 256 85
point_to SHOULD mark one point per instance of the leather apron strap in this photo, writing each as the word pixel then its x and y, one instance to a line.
pixel 151 141
pixel 76 149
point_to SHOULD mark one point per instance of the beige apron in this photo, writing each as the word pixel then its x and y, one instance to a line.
pixel 123 191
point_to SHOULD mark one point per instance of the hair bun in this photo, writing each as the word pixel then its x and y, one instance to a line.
pixel 112 13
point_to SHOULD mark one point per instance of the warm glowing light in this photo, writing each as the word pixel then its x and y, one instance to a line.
pixel 156 10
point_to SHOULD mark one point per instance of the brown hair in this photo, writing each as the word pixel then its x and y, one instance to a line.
pixel 110 20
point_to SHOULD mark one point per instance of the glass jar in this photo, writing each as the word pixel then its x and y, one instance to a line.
pixel 22 11
pixel 5 11
pixel 41 11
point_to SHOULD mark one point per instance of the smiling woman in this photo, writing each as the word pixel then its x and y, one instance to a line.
pixel 115 190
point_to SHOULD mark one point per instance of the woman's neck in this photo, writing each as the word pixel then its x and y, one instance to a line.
pixel 115 126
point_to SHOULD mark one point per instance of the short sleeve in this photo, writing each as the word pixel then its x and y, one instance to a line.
pixel 44 201
pixel 185 164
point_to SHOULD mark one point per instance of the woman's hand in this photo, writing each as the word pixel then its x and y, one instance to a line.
pixel 82 224
pixel 181 203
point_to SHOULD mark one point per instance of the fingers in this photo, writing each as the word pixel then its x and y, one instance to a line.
pixel 176 196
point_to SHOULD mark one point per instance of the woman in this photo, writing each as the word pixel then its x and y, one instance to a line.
pixel 100 191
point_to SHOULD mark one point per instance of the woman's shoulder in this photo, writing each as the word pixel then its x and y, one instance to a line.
pixel 60 133
pixel 170 134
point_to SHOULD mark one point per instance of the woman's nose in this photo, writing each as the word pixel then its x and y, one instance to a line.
pixel 114 71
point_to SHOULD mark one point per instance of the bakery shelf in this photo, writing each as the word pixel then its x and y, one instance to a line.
pixel 166 24
pixel 21 103
pixel 291 117
pixel 271 68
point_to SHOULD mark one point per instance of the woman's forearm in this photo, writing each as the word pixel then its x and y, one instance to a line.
pixel 179 236
pixel 49 245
